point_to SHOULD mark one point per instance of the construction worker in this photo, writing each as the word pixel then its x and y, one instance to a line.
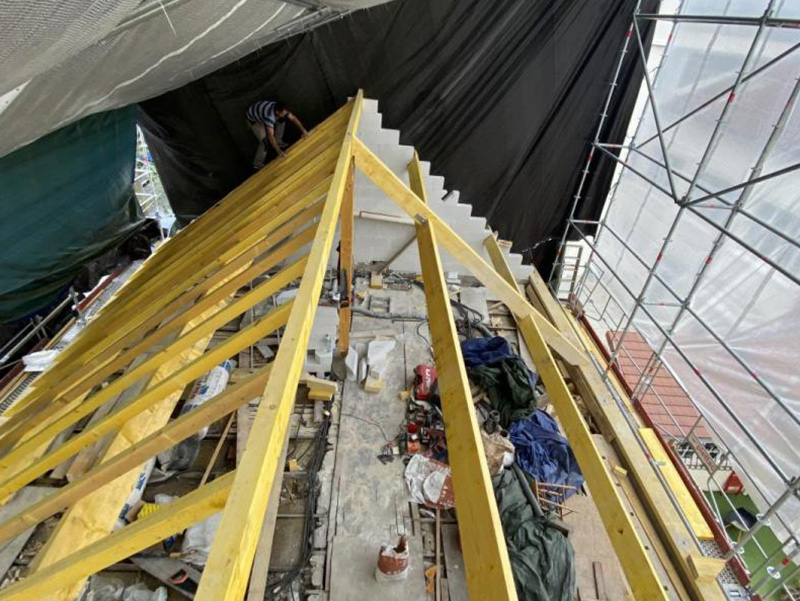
pixel 265 117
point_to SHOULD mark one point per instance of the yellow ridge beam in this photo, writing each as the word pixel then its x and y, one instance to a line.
pixel 143 533
pixel 84 379
pixel 395 189
pixel 175 382
pixel 137 454
pixel 226 574
pixel 488 568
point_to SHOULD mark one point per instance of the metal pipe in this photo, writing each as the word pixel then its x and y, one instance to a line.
pixel 654 105
pixel 700 168
pixel 746 184
pixel 728 204
pixel 5 358
pixel 761 22
pixel 786 579
pixel 778 470
pixel 598 132
pixel 783 271
pixel 739 359
pixel 724 92
pixel 765 564
pixel 790 491
pixel 717 244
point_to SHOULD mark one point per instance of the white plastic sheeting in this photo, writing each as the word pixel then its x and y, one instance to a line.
pixel 750 305
pixel 61 60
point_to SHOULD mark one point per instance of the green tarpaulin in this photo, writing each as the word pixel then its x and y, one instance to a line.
pixel 542 559
pixel 65 199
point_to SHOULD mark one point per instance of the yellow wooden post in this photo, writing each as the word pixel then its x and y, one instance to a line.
pixel 228 568
pixel 633 557
pixel 488 569
pixel 346 259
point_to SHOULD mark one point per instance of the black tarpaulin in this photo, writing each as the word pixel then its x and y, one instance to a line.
pixel 502 97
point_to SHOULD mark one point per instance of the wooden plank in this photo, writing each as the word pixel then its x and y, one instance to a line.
pixel 387 181
pixel 676 484
pixel 79 382
pixel 45 411
pixel 454 560
pixel 257 589
pixel 614 425
pixel 231 556
pixel 171 384
pixel 635 560
pixel 706 568
pixel 9 549
pixel 150 530
pixel 488 569
pixel 346 260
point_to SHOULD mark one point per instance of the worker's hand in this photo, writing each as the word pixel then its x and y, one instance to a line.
pixel 282 155
pixel 304 134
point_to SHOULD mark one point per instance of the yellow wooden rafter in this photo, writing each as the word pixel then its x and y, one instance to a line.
pixel 186 289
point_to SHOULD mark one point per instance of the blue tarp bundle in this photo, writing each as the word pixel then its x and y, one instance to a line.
pixel 490 351
pixel 543 452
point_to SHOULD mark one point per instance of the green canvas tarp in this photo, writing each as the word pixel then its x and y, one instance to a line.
pixel 65 199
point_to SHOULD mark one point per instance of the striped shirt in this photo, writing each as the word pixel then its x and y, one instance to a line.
pixel 262 111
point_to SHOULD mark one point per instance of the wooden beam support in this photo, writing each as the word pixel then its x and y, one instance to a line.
pixel 346 260
pixel 387 181
pixel 137 454
pixel 176 382
pixel 229 564
pixel 150 530
pixel 65 412
pixel 488 569
pixel 633 557
pixel 43 412
pixel 673 532
pixel 213 268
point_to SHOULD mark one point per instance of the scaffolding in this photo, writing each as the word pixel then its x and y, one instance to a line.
pixel 695 243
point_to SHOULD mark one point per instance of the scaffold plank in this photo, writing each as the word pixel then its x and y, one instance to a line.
pixel 676 485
